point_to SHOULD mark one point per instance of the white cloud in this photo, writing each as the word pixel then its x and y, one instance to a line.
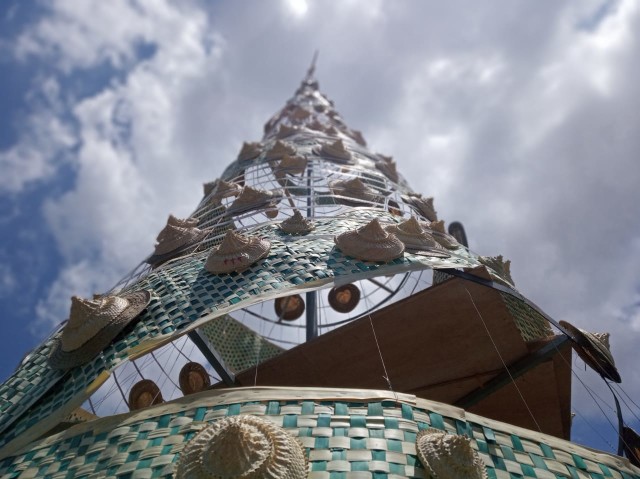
pixel 7 280
pixel 42 148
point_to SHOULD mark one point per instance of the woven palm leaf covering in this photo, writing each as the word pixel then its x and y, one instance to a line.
pixel 185 296
pixel 239 347
pixel 297 168
pixel 345 434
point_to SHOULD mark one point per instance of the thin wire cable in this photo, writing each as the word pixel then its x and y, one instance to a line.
pixel 93 410
pixel 513 381
pixel 168 376
pixel 618 386
pixel 115 378
pixel 594 400
pixel 384 367
pixel 273 325
pixel 136 366
pixel 594 429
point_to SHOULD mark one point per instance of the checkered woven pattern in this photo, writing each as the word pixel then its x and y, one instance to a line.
pixel 24 386
pixel 353 438
pixel 185 295
pixel 531 324
pixel 238 346
pixel 346 440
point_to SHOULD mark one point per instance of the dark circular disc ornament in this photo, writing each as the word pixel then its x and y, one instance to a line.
pixel 143 394
pixel 193 378
pixel 344 298
pixel 289 308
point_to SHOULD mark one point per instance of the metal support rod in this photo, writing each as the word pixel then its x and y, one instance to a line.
pixel 227 376
pixel 311 299
pixel 380 285
pixel 312 323
pixel 516 369
pixel 620 420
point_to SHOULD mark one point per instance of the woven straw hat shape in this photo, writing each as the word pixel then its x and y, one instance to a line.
pixel 412 235
pixel 223 189
pixel 354 188
pixel 290 165
pixel 186 223
pixel 285 130
pixel 297 224
pixel 242 447
pixel 425 206
pixel 252 198
pixel 279 150
pixel 594 350
pixel 236 253
pixel 499 265
pixel 442 236
pixel 388 167
pixel 249 151
pixel 177 234
pixel 92 325
pixel 334 151
pixel 449 456
pixel 370 243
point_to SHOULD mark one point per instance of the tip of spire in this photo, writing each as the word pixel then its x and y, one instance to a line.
pixel 312 68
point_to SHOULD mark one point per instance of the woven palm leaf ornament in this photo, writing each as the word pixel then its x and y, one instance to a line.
pixel 242 447
pixel 448 456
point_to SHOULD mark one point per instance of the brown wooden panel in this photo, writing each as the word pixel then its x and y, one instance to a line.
pixel 429 338
pixel 436 345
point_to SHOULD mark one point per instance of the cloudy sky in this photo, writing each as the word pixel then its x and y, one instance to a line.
pixel 521 118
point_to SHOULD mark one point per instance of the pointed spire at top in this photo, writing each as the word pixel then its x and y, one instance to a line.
pixel 310 77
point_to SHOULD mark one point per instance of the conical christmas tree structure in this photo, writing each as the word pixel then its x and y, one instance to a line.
pixel 311 318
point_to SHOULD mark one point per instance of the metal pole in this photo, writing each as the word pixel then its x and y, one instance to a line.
pixel 311 303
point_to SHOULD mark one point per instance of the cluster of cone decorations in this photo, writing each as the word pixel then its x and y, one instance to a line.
pixel 312 318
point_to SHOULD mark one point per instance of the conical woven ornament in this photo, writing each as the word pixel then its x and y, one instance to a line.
pixel 208 187
pixel 331 131
pixel 448 456
pixel 279 150
pixel 388 167
pixel 285 131
pixel 236 253
pixel 412 235
pixel 594 350
pixel 249 151
pixel 176 236
pixel 334 151
pixel 290 165
pixel 297 224
pixel 93 324
pixel 316 125
pixel 242 447
pixel 370 243
pixel 499 265
pixel 253 199
pixel 223 189
pixel 354 189
pixel 423 205
pixel 299 114
pixel 358 137
pixel 186 223
pixel 441 236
